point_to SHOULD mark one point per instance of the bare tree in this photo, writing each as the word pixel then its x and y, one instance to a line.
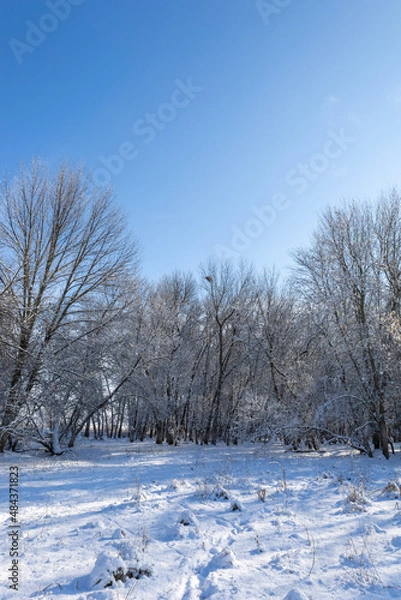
pixel 171 343
pixel 351 277
pixel 226 300
pixel 62 241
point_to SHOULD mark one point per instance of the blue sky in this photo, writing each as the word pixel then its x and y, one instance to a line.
pixel 224 126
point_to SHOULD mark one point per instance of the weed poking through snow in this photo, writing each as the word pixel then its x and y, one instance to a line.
pixel 356 500
pixel 262 494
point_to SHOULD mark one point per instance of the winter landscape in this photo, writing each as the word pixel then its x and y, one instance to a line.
pixel 200 300
pixel 196 522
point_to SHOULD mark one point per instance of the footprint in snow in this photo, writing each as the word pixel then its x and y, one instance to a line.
pixel 223 560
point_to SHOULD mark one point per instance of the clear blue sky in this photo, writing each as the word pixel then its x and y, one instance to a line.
pixel 299 106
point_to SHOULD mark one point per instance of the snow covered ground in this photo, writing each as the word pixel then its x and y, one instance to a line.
pixel 195 522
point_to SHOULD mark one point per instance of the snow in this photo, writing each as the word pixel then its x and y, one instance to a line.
pixel 296 595
pixel 112 520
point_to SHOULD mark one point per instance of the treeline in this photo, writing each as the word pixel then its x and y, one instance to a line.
pixel 89 347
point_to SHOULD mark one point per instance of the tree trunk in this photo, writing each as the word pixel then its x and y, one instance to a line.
pixel 159 433
pixel 384 434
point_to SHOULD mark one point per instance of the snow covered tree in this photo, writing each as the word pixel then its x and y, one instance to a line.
pixel 170 345
pixel 350 277
pixel 63 242
pixel 227 299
